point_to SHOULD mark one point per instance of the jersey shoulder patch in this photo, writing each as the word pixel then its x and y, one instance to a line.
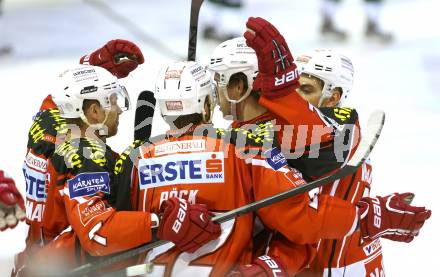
pixel 342 115
pixel 87 184
pixel 47 127
pixel 260 134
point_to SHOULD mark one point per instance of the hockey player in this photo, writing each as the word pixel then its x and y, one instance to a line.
pixel 236 66
pixel 42 137
pixel 329 88
pixel 11 203
pixel 81 169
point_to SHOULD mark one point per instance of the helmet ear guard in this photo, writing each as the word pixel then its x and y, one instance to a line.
pixel 334 69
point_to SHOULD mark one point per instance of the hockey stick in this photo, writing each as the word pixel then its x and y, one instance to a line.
pixel 134 29
pixel 143 118
pixel 366 145
pixel 193 27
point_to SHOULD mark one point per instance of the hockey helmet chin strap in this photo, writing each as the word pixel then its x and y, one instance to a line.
pixel 122 101
pixel 100 127
pixel 326 94
pixel 326 90
pixel 233 103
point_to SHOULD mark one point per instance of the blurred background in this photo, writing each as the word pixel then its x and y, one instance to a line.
pixel 394 45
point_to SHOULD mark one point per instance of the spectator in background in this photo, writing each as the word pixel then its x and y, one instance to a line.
pixel 4 48
pixel 222 19
pixel 372 30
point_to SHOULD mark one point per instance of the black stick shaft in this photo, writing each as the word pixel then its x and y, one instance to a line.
pixel 193 27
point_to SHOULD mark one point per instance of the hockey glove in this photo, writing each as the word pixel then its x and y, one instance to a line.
pixel 119 56
pixel 187 225
pixel 277 75
pixel 263 266
pixel 11 203
pixel 391 217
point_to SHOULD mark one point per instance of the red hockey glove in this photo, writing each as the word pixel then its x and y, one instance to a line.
pixel 11 203
pixel 277 70
pixel 263 266
pixel 187 225
pixel 391 217
pixel 119 56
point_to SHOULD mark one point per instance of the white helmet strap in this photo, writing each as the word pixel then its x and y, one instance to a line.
pixel 244 96
pixel 100 127
pixel 325 93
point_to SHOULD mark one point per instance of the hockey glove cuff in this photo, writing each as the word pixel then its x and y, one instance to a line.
pixel 263 266
pixel 187 225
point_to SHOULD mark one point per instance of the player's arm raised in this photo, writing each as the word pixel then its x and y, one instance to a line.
pixel 278 77
pixel 118 56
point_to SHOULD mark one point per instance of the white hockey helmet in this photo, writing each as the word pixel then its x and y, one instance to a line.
pixel 334 69
pixel 88 83
pixel 233 56
pixel 182 89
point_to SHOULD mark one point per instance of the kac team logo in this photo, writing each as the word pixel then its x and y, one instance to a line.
pixel 192 168
pixel 275 158
pixel 86 184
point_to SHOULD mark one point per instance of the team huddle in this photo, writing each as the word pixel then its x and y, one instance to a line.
pixel 84 202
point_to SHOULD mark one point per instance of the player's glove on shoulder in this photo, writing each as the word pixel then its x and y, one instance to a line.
pixel 118 56
pixel 187 225
pixel 11 203
pixel 391 217
pixel 277 75
pixel 263 266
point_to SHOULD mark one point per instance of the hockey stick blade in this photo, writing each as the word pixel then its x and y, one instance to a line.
pixel 366 145
pixel 193 27
pixel 143 118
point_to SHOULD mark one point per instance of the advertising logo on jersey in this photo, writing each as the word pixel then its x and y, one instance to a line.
pixel 275 158
pixel 86 184
pixel 90 210
pixel 372 247
pixel 35 183
pixel 180 146
pixel 192 168
pixel 35 189
pixel 35 162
